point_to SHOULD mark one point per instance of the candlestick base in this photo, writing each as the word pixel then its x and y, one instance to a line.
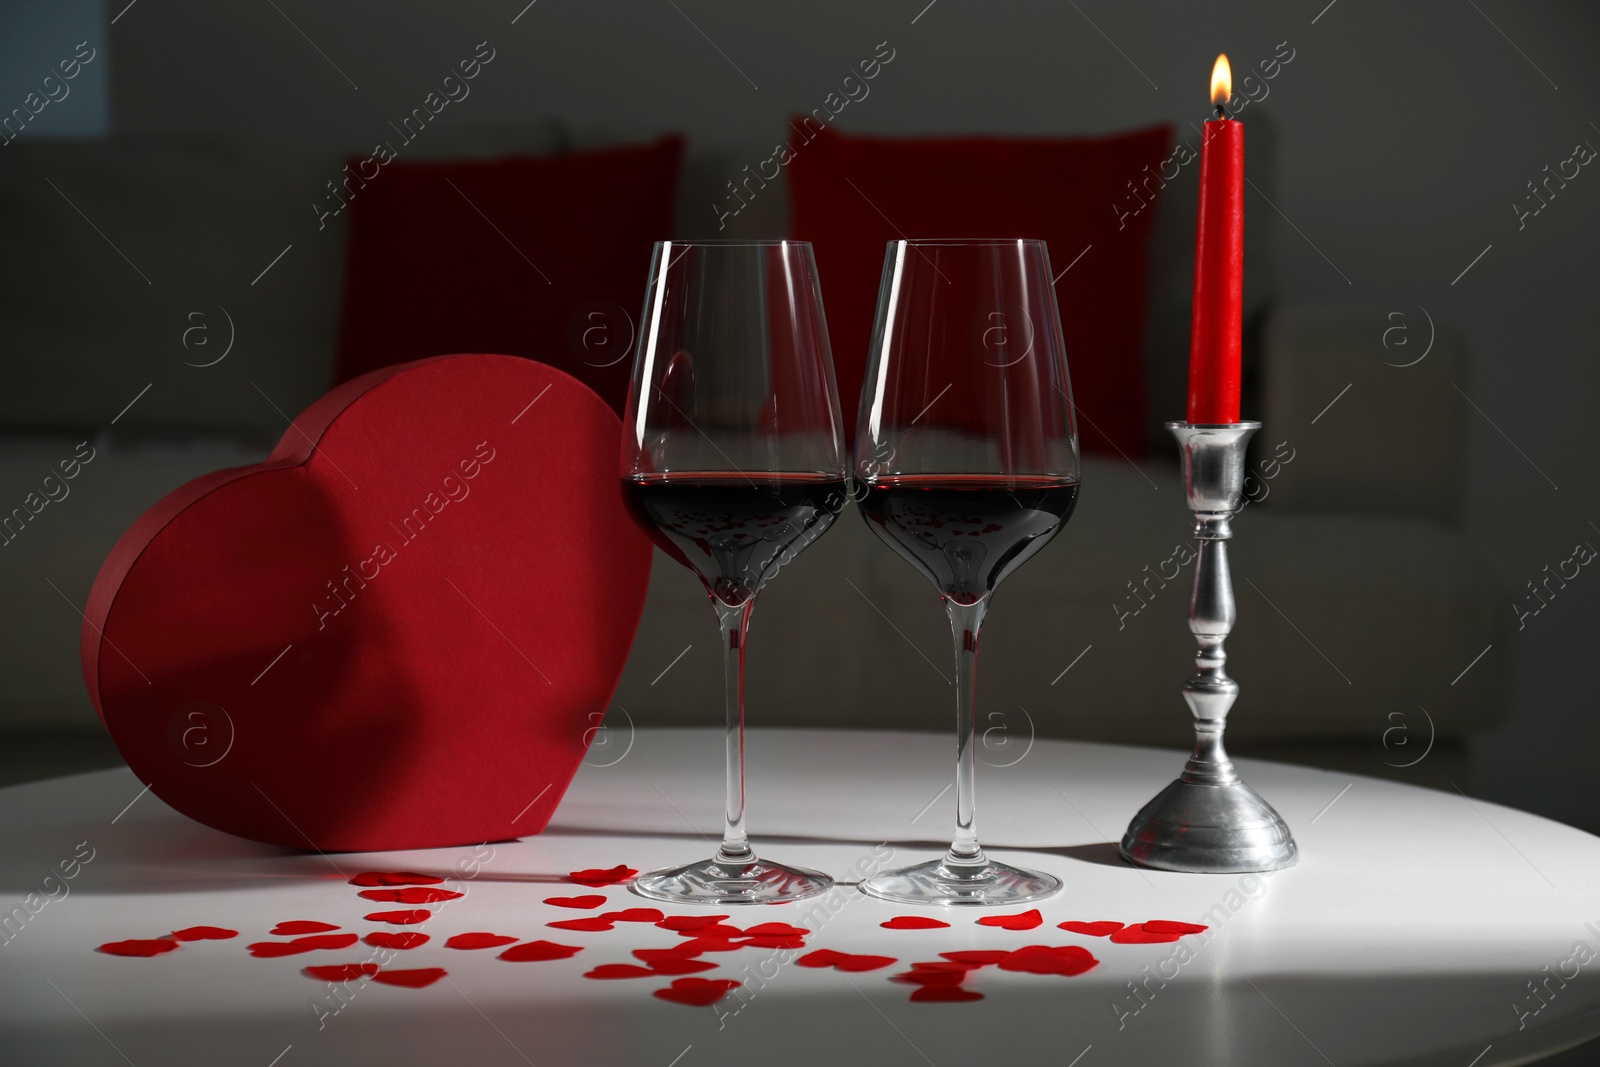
pixel 1209 821
pixel 1206 828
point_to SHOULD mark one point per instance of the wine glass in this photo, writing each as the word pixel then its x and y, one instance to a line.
pixel 733 462
pixel 966 464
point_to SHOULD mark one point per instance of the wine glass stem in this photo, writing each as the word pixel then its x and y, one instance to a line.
pixel 965 621
pixel 734 621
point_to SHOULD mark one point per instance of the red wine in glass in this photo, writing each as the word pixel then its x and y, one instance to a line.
pixel 733 530
pixel 967 532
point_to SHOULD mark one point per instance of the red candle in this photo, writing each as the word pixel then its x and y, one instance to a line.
pixel 1214 335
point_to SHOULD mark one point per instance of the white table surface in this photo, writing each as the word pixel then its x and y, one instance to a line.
pixel 1406 935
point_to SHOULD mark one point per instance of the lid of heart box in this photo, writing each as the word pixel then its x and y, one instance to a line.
pixel 399 631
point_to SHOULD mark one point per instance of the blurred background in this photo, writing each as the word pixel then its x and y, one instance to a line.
pixel 189 263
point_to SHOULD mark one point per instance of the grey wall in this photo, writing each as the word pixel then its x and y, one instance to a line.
pixel 1393 147
pixel 34 39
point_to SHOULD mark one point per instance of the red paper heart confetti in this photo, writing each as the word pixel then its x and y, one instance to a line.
pixel 203 933
pixel 479 940
pixel 325 941
pixel 1026 920
pixel 713 930
pixel 666 966
pixel 1138 935
pixel 980 957
pixel 773 942
pixel 926 977
pixel 944 994
pixel 776 930
pixel 913 922
pixel 684 922
pixel 634 915
pixel 409 895
pixel 1074 960
pixel 377 878
pixel 590 900
pixel 267 950
pixel 341 972
pixel 1169 926
pixel 405 940
pixel 271 950
pixel 697 992
pixel 712 944
pixel 682 966
pixel 619 970
pixel 400 918
pixel 596 877
pixel 300 926
pixel 844 961
pixel 685 951
pixel 537 951
pixel 1067 960
pixel 141 948
pixel 411 979
pixel 1095 929
pixel 591 922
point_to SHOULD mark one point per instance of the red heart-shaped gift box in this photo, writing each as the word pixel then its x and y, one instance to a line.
pixel 400 631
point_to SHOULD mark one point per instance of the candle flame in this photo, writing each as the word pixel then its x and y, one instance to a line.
pixel 1221 80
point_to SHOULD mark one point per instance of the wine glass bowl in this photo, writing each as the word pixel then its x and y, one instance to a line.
pixel 966 463
pixel 734 532
pixel 966 533
pixel 733 463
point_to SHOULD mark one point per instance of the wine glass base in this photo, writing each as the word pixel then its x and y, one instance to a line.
pixel 710 882
pixel 937 882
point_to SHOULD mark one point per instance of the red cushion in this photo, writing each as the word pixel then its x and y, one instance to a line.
pixel 548 260
pixel 852 195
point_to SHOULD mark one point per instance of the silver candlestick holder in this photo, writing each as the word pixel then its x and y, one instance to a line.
pixel 1209 821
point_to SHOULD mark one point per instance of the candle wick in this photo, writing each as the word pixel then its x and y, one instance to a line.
pixel 1221 112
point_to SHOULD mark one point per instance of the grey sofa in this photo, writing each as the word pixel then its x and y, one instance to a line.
pixel 1360 598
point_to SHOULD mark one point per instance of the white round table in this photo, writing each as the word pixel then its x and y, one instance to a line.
pixel 1409 933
